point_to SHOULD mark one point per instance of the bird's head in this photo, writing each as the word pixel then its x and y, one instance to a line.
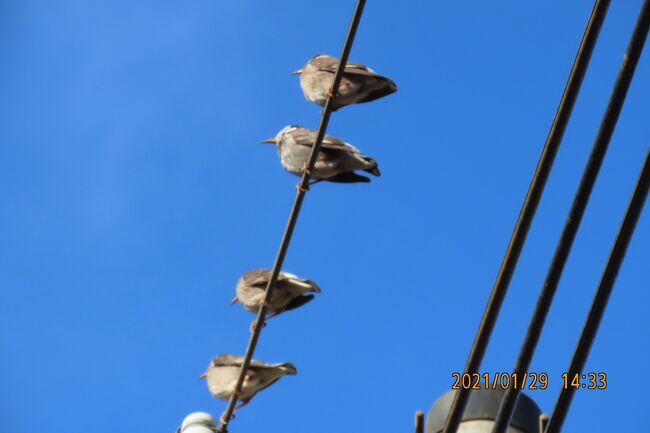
pixel 279 135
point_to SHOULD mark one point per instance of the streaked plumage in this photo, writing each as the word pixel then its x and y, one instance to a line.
pixel 336 162
pixel 223 371
pixel 289 292
pixel 359 83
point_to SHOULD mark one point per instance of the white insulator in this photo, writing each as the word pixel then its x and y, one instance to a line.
pixel 198 422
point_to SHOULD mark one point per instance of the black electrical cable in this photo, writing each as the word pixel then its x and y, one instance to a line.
pixel 419 422
pixel 599 303
pixel 529 207
pixel 612 112
pixel 302 187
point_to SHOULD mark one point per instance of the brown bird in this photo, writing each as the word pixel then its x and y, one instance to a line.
pixel 224 369
pixel 336 162
pixel 359 83
pixel 289 292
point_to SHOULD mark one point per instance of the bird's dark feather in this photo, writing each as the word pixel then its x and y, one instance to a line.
pixel 388 88
pixel 298 302
pixel 350 177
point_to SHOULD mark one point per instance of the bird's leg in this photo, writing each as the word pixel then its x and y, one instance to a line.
pixel 253 326
pixel 262 303
pixel 305 169
pixel 223 419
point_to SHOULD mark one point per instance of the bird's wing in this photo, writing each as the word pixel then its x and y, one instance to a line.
pixel 259 365
pixel 227 360
pixel 302 284
pixel 313 285
pixel 282 369
pixel 359 69
pixel 329 64
pixel 325 63
pixel 260 277
pixel 330 142
pixel 305 137
pixel 257 277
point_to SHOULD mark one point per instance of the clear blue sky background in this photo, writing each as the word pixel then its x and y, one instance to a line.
pixel 135 192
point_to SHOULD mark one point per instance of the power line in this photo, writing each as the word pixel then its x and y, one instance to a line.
pixel 419 422
pixel 612 112
pixel 601 297
pixel 302 187
pixel 529 207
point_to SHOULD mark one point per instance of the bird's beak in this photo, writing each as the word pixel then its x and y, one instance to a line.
pixel 297 72
pixel 269 140
pixel 234 300
pixel 203 376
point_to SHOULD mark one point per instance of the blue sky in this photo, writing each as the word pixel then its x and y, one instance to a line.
pixel 135 192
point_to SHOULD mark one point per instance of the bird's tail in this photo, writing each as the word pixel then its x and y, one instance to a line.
pixel 314 286
pixel 288 368
pixel 383 87
pixel 307 285
pixel 374 169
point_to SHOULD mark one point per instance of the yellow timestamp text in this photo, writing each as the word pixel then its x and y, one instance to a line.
pixel 584 381
pixel 499 380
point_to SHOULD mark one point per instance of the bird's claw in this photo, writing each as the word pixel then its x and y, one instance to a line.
pixel 305 169
pixel 253 326
pixel 263 303
pixel 223 420
pixel 299 188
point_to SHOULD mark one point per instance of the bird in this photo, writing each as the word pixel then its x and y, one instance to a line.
pixel 358 84
pixel 223 372
pixel 336 161
pixel 289 292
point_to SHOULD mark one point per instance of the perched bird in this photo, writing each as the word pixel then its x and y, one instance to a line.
pixel 359 83
pixel 223 372
pixel 336 161
pixel 289 292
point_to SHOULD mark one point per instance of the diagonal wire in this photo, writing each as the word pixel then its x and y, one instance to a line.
pixel 302 187
pixel 529 207
pixel 607 280
pixel 612 112
pixel 419 422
